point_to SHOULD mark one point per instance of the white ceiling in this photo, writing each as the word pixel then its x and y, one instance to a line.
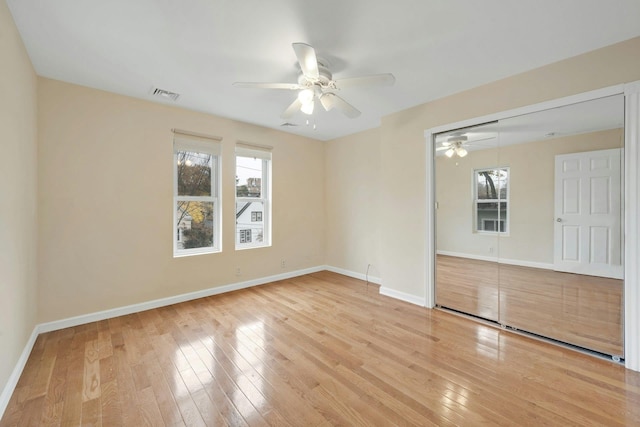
pixel 198 48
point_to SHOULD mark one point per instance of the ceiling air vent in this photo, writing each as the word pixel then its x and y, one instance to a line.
pixel 161 93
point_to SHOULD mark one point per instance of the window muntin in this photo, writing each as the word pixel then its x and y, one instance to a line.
pixel 196 217
pixel 491 200
pixel 253 201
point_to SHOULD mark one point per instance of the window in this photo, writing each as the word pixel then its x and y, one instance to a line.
pixel 491 200
pixel 253 196
pixel 196 208
pixel 245 236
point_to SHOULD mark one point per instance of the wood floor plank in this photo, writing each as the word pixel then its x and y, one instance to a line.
pixel 150 412
pixel 318 350
pixel 111 404
pixel 72 397
pixel 91 413
pixel 31 412
pixel 91 379
pixel 127 396
pixel 54 397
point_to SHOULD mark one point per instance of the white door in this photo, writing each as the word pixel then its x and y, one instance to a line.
pixel 588 214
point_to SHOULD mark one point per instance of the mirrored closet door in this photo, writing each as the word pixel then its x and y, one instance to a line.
pixel 529 223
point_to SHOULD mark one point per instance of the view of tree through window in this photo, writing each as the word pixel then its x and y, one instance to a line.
pixel 195 200
pixel 491 200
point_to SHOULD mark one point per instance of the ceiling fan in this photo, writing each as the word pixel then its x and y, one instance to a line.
pixel 455 144
pixel 315 82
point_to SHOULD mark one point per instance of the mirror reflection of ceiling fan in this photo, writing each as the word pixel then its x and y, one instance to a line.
pixel 457 144
pixel 315 82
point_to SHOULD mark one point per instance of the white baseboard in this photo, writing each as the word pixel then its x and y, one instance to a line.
pixel 383 291
pixel 372 279
pixel 12 382
pixel 517 262
pixel 162 302
pixel 403 296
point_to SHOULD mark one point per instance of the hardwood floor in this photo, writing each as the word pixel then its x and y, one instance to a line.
pixel 316 350
pixel 582 310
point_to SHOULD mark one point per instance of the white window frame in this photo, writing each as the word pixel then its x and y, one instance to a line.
pixel 477 201
pixel 192 143
pixel 263 153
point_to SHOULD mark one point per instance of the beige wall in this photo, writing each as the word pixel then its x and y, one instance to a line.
pixel 531 198
pixel 18 179
pixel 105 202
pixel 353 194
pixel 402 200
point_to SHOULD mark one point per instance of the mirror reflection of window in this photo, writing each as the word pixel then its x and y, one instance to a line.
pixel 491 200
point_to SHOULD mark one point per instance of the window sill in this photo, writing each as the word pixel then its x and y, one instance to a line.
pixel 188 253
pixel 243 247
pixel 492 233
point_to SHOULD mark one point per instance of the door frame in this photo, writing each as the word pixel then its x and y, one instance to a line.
pixel 631 92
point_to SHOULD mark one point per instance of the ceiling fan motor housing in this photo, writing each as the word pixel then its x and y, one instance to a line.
pixel 324 80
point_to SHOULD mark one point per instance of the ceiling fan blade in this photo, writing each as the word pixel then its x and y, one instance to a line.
pixel 292 109
pixel 326 99
pixel 256 85
pixel 374 80
pixel 331 100
pixel 307 58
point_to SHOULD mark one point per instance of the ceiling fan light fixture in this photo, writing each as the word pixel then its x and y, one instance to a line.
pixel 305 96
pixel 461 152
pixel 307 107
pixel 449 153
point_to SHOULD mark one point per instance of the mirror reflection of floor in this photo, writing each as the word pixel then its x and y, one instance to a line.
pixel 582 310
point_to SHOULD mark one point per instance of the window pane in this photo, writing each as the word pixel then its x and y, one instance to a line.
pixel 492 184
pixel 487 215
pixel 487 185
pixel 249 222
pixel 503 178
pixel 503 216
pixel 194 173
pixel 194 228
pixel 248 177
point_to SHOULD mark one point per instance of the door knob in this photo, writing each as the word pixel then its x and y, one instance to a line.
pixel 559 220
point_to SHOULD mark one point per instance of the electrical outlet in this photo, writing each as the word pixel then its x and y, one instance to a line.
pixel 283 263
pixel 238 272
pixel 490 249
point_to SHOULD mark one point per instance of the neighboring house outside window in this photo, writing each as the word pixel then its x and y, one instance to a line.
pixel 195 195
pixel 491 200
pixel 253 196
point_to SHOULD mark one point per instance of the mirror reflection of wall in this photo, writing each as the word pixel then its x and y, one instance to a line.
pixel 502 233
